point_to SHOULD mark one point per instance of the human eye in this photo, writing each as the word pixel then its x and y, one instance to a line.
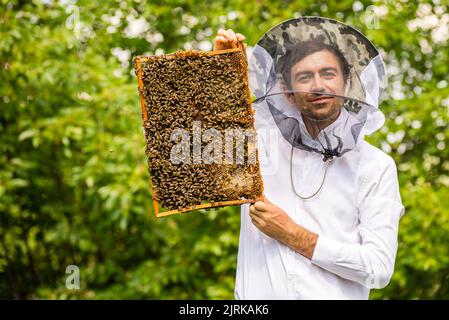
pixel 303 78
pixel 328 74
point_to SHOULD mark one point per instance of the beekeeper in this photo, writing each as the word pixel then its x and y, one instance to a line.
pixel 327 225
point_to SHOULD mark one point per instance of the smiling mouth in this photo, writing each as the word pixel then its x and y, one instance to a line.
pixel 321 100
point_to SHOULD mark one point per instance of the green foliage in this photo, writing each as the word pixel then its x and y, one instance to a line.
pixel 74 186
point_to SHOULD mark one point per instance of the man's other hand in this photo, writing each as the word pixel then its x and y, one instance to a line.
pixel 275 223
pixel 271 220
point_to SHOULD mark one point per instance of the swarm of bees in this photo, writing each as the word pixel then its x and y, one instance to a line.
pixel 210 91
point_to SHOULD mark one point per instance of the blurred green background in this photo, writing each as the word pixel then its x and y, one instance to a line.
pixel 74 185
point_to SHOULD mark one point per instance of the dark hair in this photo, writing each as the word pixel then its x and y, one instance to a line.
pixel 305 48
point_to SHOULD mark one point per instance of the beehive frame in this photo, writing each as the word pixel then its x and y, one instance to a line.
pixel 138 61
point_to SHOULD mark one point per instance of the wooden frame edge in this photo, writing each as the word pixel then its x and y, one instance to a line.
pixel 205 206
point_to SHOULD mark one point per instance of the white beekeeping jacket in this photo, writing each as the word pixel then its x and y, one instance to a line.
pixel 351 199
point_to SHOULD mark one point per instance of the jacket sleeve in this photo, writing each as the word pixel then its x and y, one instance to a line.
pixel 370 263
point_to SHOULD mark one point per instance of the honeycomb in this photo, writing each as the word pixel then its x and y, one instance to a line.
pixel 199 93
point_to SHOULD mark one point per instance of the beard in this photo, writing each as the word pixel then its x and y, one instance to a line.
pixel 320 108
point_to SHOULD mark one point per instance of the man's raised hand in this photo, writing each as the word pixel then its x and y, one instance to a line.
pixel 227 39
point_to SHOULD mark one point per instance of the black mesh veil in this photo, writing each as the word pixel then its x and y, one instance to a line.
pixel 321 82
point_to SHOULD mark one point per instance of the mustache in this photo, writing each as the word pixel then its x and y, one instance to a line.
pixel 283 92
pixel 312 96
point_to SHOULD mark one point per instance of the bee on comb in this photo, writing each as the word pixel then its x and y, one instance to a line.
pixel 199 130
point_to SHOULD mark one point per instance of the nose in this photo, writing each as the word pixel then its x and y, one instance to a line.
pixel 317 84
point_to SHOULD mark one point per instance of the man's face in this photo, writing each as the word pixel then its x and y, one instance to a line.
pixel 317 72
